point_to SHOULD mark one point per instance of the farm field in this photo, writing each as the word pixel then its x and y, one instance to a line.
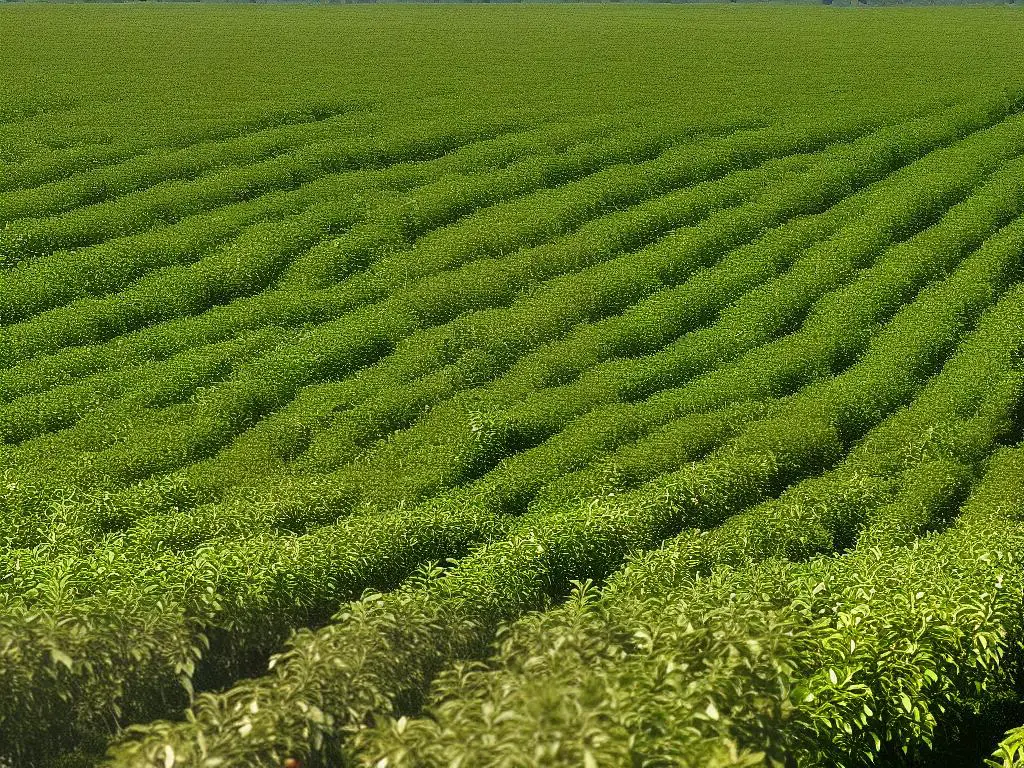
pixel 511 386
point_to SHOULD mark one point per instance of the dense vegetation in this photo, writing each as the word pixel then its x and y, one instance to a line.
pixel 511 386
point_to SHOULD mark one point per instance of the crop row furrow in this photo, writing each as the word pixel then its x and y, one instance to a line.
pixel 901 207
pixel 436 453
pixel 959 417
pixel 906 477
pixel 856 240
pixel 28 238
pixel 434 300
pixel 58 163
pixel 279 306
pixel 433 365
pixel 855 659
pixel 398 221
pixel 107 267
pixel 324 206
pixel 939 316
pixel 335 679
pixel 765 457
pixel 500 338
pixel 143 171
pixel 148 385
pixel 540 157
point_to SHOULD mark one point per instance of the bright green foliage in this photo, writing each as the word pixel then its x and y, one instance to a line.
pixel 472 386
pixel 1010 752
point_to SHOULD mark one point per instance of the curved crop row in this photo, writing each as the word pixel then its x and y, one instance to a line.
pixel 616 278
pixel 141 171
pixel 551 401
pixel 435 454
pixel 56 163
pixel 763 306
pixel 150 385
pixel 474 348
pixel 496 229
pixel 754 464
pixel 320 685
pixel 211 326
pixel 346 344
pixel 961 415
pixel 513 163
pixel 371 331
pixel 901 207
pixel 848 660
pixel 28 238
pixel 760 305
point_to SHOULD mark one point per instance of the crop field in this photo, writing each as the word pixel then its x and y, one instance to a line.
pixel 415 386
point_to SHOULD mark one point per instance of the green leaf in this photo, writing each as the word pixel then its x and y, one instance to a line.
pixel 59 657
pixel 907 703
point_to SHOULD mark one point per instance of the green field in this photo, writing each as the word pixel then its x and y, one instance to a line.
pixel 511 386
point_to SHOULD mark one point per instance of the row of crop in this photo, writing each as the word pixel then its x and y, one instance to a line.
pixel 962 415
pixel 921 334
pixel 450 296
pixel 416 214
pixel 592 187
pixel 58 278
pixel 763 304
pixel 859 659
pixel 432 365
pixel 142 171
pixel 142 682
pixel 521 159
pixel 35 286
pixel 168 201
pixel 288 307
pixel 591 293
pixel 372 331
pixel 959 417
pixel 459 441
pixel 54 162
pixel 933 492
pixel 760 305
pixel 27 164
pixel 766 456
pixel 338 678
pixel 420 376
pixel 678 167
pixel 813 350
pixel 71 401
pixel 157 342
pixel 328 425
pixel 149 385
pixel 485 343
pixel 250 583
